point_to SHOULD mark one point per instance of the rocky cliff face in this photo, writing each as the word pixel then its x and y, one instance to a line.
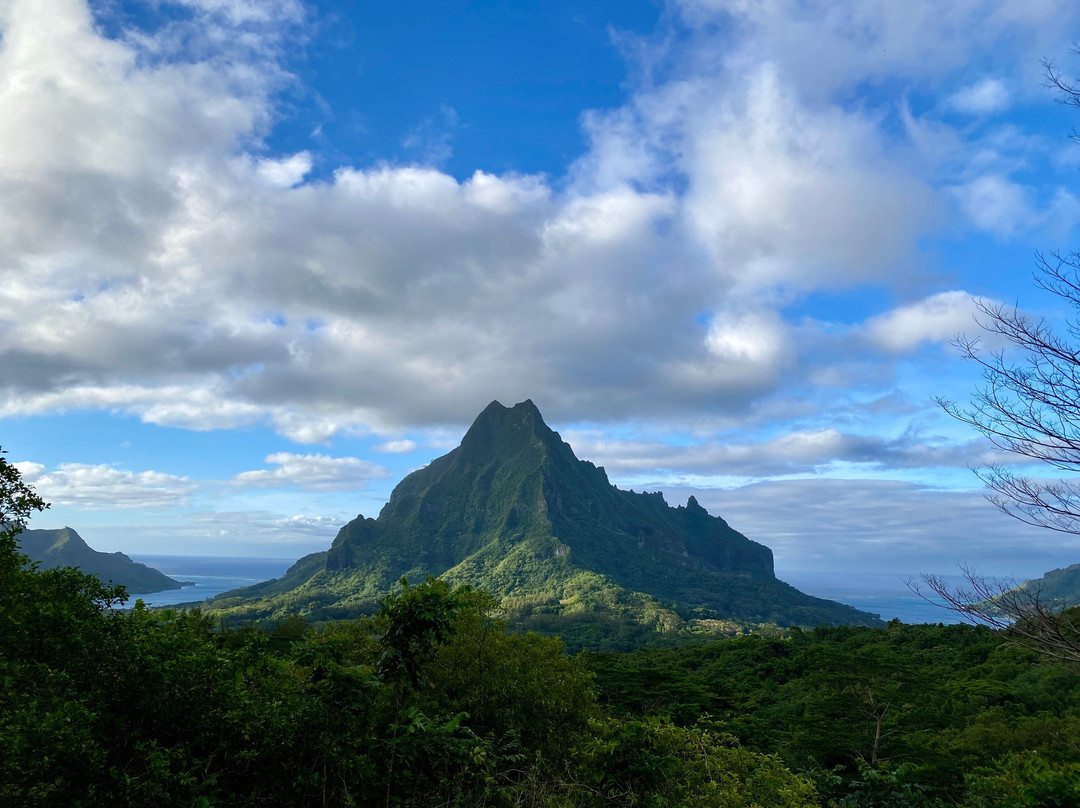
pixel 514 511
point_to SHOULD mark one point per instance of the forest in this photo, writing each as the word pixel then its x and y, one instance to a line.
pixel 431 702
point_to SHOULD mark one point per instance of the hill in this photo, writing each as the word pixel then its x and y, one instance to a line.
pixel 64 547
pixel 1057 589
pixel 513 511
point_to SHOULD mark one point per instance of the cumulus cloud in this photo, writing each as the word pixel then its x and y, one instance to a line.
pixel 308 522
pixel 313 472
pixel 101 487
pixel 1005 208
pixel 286 171
pixel 156 260
pixel 783 192
pixel 139 270
pixel 997 204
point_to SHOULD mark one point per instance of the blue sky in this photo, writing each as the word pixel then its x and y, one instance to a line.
pixel 262 259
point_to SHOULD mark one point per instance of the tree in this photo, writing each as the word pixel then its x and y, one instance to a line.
pixel 17 502
pixel 1032 408
pixel 1028 407
pixel 1018 611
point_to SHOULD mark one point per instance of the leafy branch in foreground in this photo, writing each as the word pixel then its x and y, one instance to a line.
pixel 17 501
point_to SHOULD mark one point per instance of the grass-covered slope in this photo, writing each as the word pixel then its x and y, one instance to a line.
pixel 64 547
pixel 513 511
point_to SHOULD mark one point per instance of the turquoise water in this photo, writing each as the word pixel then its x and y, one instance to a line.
pixel 880 593
pixel 210 575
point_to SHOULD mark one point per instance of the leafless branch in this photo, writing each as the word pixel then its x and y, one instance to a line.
pixel 1020 612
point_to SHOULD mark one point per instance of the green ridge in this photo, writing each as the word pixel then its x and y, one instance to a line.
pixel 1057 589
pixel 64 547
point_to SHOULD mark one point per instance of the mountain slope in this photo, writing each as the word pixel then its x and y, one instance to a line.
pixel 64 547
pixel 1057 589
pixel 512 510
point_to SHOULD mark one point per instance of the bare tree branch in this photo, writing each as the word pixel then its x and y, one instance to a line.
pixel 1029 405
pixel 1019 611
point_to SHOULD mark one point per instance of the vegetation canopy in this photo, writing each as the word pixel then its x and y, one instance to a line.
pixel 431 702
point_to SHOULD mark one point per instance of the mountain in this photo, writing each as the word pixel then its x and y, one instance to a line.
pixel 513 511
pixel 65 548
pixel 1057 589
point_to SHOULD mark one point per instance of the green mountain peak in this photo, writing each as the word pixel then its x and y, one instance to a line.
pixel 505 431
pixel 514 511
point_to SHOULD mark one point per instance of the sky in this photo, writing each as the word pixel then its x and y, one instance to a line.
pixel 262 258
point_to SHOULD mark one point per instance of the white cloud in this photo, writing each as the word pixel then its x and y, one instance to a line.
pixel 256 533
pixel 1001 206
pixel 938 318
pixel 987 96
pixel 751 338
pixel 146 236
pixel 824 45
pixel 314 472
pixel 852 525
pixel 101 487
pixel 800 452
pixel 306 521
pixel 287 171
pixel 785 193
pixel 1062 213
pixel 998 205
pixel 396 446
pixel 431 141
pixel 29 471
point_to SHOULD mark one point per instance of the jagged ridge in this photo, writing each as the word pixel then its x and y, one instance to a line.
pixel 513 510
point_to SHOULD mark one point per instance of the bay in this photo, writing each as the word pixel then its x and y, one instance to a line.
pixel 210 575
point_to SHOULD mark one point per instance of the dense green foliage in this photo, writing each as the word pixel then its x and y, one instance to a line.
pixel 514 512
pixel 430 702
pixel 905 715
pixel 63 547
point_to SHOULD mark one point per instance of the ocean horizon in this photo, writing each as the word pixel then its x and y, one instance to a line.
pixel 880 593
pixel 885 594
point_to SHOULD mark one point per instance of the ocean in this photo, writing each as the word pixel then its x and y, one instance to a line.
pixel 210 575
pixel 880 593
